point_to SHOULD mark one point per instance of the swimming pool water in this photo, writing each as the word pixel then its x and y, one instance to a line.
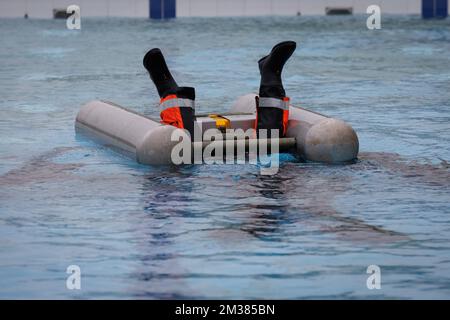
pixel 225 231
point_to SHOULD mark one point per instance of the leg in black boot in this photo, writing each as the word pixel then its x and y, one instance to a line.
pixel 272 105
pixel 177 102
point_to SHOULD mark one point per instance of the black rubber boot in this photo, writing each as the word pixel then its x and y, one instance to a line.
pixel 166 85
pixel 270 68
pixel 271 86
pixel 156 66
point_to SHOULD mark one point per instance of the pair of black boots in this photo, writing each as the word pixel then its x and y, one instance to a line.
pixel 272 105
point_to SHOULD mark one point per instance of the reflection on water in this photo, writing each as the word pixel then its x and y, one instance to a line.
pixel 41 169
pixel 197 214
pixel 427 173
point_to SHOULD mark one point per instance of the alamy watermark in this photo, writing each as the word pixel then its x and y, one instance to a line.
pixel 374 280
pixel 73 281
pixel 235 146
pixel 374 20
pixel 73 21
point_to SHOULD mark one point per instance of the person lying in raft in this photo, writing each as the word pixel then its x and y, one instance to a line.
pixel 272 105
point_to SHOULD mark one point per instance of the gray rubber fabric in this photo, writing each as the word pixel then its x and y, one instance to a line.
pixel 144 139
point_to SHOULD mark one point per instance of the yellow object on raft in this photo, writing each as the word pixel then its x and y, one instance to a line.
pixel 222 123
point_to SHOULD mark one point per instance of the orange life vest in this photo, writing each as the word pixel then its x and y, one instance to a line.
pixel 178 112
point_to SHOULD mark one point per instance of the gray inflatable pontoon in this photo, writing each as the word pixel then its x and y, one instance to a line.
pixel 313 136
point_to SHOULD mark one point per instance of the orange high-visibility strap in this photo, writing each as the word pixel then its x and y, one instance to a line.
pixel 171 115
pixel 285 115
pixel 169 97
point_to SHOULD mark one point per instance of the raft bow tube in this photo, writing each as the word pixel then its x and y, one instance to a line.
pixel 319 138
pixel 314 136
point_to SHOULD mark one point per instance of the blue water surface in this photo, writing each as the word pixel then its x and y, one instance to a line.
pixel 226 231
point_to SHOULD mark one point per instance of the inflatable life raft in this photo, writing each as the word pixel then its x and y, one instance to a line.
pixel 313 136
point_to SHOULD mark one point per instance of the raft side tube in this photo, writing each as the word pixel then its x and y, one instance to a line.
pixel 143 138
